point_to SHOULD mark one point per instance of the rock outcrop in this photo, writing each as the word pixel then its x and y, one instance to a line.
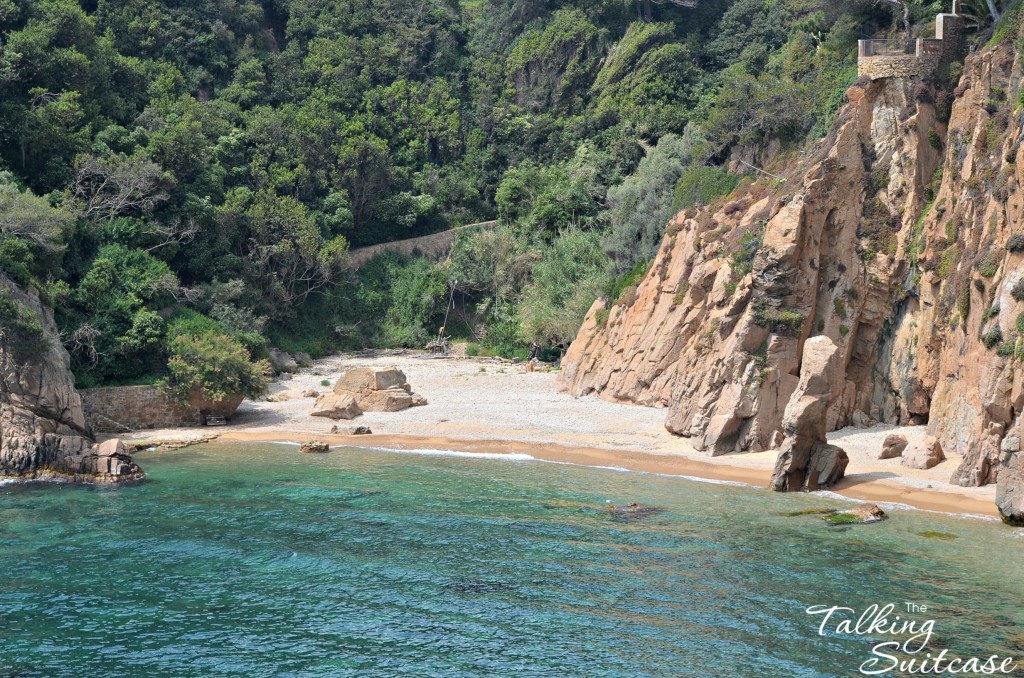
pixel 43 434
pixel 806 460
pixel 899 237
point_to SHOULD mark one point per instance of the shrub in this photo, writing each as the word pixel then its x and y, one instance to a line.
pixel 325 382
pixel 1020 324
pixel 1005 349
pixel 742 260
pixel 963 301
pixel 616 287
pixel 1015 243
pixel 20 327
pixel 840 307
pixel 701 185
pixel 781 321
pixel 988 265
pixel 216 365
pixel 947 262
pixel 843 330
pixel 1017 291
pixel 992 337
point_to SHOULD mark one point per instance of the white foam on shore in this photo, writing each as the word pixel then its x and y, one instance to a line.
pixel 429 452
pixel 897 506
pixel 518 456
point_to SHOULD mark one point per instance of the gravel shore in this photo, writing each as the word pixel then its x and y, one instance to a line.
pixel 473 400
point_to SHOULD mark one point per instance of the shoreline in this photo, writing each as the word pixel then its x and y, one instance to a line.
pixel 938 500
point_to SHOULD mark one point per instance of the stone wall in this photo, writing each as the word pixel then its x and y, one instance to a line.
pixel 878 67
pixel 118 409
pixel 928 52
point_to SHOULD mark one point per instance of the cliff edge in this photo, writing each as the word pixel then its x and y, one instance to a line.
pixel 899 237
pixel 43 435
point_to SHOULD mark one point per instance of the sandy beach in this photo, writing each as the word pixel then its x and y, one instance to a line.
pixel 483 405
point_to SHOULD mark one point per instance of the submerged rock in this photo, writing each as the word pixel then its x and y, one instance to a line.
pixel 634 510
pixel 314 447
pixel 858 515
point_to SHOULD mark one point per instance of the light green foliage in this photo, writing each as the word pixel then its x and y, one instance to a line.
pixel 30 232
pixel 213 365
pixel 640 207
pixel 782 321
pixel 564 285
pixel 20 329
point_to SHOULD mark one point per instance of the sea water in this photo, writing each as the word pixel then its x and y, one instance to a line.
pixel 257 560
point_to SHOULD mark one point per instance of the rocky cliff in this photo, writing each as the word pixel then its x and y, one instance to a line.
pixel 898 237
pixel 43 435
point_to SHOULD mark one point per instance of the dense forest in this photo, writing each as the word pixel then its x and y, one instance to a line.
pixel 181 178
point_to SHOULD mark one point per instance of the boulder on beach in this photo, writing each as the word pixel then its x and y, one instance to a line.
pixel 282 362
pixel 923 453
pixel 352 430
pixel 335 406
pixel 378 390
pixel 893 446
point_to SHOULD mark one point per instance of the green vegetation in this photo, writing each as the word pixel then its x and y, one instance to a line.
pixel 20 327
pixel 783 321
pixel 213 367
pixel 993 337
pixel 216 162
pixel 935 534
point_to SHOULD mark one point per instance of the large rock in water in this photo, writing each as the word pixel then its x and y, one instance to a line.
pixel 806 460
pixel 1010 487
pixel 43 434
pixel 378 390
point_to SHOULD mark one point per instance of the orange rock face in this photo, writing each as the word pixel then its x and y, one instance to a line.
pixel 894 238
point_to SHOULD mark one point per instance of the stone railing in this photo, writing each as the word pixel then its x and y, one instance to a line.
pixel 434 247
pixel 119 409
pixel 873 48
pixel 878 59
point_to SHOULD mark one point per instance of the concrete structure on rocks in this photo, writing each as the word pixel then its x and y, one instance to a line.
pixel 877 59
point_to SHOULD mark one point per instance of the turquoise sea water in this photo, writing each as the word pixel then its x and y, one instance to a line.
pixel 256 560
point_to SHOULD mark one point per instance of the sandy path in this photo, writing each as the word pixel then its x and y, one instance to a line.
pixel 481 404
